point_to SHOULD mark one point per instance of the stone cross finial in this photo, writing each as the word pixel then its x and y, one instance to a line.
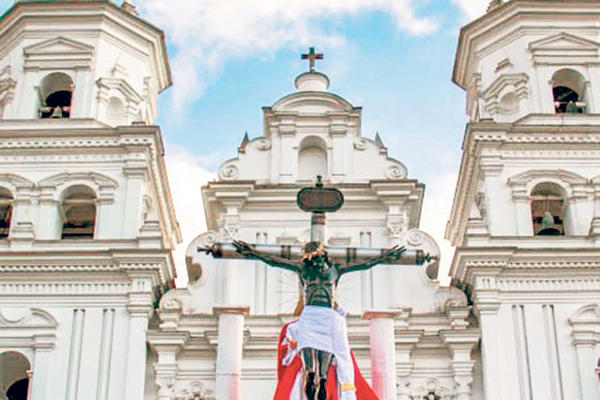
pixel 311 56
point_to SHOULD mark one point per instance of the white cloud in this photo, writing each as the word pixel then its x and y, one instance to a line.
pixel 436 211
pixel 472 8
pixel 209 33
pixel 186 175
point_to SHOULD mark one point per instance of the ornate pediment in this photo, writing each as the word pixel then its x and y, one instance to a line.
pixel 58 53
pixel 564 48
pixel 521 184
pixel 560 174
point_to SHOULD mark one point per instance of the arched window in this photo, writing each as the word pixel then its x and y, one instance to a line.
pixel 79 213
pixel 548 210
pixel 6 209
pixel 14 378
pixel 568 87
pixel 56 92
pixel 312 158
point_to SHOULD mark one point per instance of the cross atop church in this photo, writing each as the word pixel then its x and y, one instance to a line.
pixel 311 56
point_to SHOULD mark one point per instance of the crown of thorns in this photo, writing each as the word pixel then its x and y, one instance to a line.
pixel 313 249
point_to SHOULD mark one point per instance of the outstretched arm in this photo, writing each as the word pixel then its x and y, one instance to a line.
pixel 386 257
pixel 248 251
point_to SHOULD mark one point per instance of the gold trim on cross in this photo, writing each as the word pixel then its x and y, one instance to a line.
pixel 311 56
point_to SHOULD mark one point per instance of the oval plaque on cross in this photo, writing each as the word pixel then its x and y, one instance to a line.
pixel 319 198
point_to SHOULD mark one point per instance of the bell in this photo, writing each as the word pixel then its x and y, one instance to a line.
pixel 57 113
pixel 548 219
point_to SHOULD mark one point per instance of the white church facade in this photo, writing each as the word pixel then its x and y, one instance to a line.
pixel 88 307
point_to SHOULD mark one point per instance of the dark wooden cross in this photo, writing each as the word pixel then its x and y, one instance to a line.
pixel 311 56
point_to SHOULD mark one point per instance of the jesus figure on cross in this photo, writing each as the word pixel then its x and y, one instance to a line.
pixel 314 356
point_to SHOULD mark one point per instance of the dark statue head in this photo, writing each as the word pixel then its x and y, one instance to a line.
pixel 318 277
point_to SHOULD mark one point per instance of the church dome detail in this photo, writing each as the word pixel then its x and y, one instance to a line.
pixel 312 82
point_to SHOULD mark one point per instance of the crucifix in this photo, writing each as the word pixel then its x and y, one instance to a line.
pixel 311 56
pixel 320 333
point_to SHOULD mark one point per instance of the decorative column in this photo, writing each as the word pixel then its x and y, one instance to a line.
pixel 132 211
pixel 229 351
pixel 288 162
pixel 338 131
pixel 486 309
pixel 383 350
pixel 140 309
pixel 49 223
pixel 229 232
pixel 22 224
pixel 104 223
pixel 585 347
pixel 491 168
pixel 461 342
pixel 167 345
pixel 43 346
pixel 405 341
pixel 383 353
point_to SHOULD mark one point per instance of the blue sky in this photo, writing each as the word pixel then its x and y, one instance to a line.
pixel 231 57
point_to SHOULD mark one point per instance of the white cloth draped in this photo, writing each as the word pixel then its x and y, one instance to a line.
pixel 322 328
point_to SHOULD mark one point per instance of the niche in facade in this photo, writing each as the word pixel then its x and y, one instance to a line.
pixel 115 113
pixel 568 88
pixel 79 213
pixel 6 201
pixel 312 158
pixel 548 210
pixel 56 93
pixel 14 380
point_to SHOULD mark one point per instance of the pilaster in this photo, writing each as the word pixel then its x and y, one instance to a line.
pixel 136 174
pixel 139 309
pixel 167 346
pixel 461 343
pixel 405 340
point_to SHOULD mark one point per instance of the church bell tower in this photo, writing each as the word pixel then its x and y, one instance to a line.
pixel 526 214
pixel 86 218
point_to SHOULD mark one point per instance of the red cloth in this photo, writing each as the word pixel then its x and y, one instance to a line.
pixel 286 376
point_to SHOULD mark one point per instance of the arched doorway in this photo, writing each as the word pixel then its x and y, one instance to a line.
pixel 14 378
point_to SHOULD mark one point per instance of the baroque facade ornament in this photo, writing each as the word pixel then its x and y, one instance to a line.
pixel 396 172
pixel 229 171
pixel 262 144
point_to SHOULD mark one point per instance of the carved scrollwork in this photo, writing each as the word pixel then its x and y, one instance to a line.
pixel 396 172
pixel 229 171
pixel 263 144
pixel 414 237
pixel 360 143
pixel 194 260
